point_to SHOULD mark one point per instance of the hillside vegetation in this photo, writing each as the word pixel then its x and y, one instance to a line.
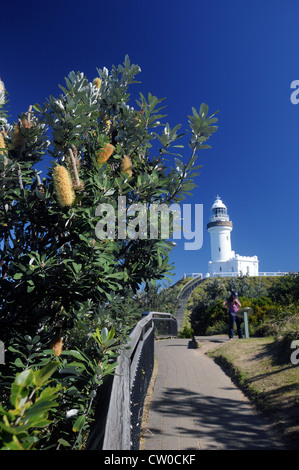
pixel 274 301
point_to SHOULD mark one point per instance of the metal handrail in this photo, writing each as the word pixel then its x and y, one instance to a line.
pixel 236 274
pixel 189 284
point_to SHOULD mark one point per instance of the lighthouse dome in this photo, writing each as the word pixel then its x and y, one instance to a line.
pixel 219 211
pixel 218 204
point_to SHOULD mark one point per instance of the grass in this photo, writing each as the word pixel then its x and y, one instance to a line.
pixel 262 368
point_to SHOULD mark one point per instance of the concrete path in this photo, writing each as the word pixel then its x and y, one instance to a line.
pixel 196 406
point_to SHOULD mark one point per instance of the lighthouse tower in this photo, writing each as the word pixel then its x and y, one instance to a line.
pixel 223 259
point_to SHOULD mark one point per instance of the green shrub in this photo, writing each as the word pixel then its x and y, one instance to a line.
pixel 217 328
pixel 205 305
pixel 60 282
pixel 31 401
pixel 186 332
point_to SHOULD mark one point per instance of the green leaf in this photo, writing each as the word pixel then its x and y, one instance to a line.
pixel 44 374
pixel 37 108
pixel 75 354
pixel 18 276
pixel 30 287
pixel 64 443
pixel 19 363
pixel 19 387
pixel 203 110
pixel 38 410
pixel 25 378
pixel 104 333
pixel 79 423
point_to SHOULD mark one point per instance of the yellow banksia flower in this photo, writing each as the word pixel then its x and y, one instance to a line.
pixel 57 346
pixel 126 166
pixel 104 153
pixel 97 82
pixel 2 142
pixel 63 186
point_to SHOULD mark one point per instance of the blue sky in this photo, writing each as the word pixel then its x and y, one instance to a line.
pixel 238 57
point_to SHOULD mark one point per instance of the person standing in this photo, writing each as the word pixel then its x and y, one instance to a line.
pixel 232 305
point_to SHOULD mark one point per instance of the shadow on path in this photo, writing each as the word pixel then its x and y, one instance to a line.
pixel 195 405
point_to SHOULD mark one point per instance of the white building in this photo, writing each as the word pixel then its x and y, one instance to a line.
pixel 224 260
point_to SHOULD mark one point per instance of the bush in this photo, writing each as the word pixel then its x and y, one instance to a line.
pixel 66 273
pixel 217 328
pixel 286 290
pixel 186 332
pixel 207 313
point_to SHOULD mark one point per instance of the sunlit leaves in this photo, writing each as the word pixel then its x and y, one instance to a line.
pixel 202 126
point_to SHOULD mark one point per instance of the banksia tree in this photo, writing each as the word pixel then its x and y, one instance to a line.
pixel 49 219
pixel 56 274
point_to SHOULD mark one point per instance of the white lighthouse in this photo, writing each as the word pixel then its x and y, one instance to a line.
pixel 224 260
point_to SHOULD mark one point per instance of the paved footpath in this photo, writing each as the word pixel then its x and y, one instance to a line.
pixel 196 406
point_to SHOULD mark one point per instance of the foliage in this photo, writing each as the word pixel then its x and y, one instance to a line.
pixel 186 332
pixel 207 313
pixel 159 298
pixel 60 284
pixel 50 256
pixel 282 322
pixel 31 400
pixel 286 290
pixel 77 375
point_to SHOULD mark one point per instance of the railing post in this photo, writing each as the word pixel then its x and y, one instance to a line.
pixel 2 353
pixel 245 316
pixel 118 431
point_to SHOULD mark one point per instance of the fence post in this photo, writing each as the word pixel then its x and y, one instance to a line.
pixel 118 431
pixel 2 353
pixel 245 316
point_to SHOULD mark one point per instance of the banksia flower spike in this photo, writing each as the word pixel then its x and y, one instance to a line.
pixel 2 142
pixel 57 347
pixel 63 186
pixel 97 82
pixel 27 124
pixel 17 137
pixel 126 166
pixel 105 153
